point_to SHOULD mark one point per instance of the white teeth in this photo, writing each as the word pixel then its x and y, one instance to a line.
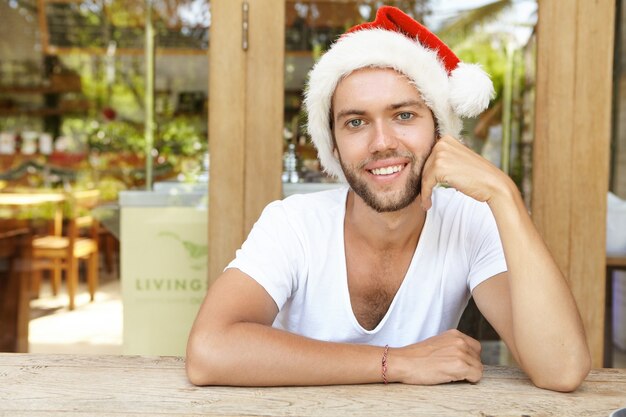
pixel 386 170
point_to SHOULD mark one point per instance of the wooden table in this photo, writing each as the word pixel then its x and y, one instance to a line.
pixel 74 385
pixel 29 199
pixel 15 286
pixel 19 201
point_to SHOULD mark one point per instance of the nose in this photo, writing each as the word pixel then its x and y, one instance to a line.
pixel 383 138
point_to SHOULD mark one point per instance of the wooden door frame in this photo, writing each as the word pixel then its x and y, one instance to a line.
pixel 246 94
pixel 572 146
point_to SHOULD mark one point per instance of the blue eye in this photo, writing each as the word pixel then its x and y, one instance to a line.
pixel 355 122
pixel 405 115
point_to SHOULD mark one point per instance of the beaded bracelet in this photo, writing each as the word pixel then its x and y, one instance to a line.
pixel 384 364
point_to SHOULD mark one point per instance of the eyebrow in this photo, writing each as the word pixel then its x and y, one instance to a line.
pixel 408 103
pixel 349 112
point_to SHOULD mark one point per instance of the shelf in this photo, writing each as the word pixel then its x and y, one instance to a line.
pixel 41 112
pixel 38 90
pixel 55 84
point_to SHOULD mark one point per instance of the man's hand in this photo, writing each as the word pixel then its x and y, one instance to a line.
pixel 456 165
pixel 450 356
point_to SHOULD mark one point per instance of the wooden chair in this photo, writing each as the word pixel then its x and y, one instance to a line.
pixel 11 231
pixel 13 317
pixel 56 252
pixel 109 249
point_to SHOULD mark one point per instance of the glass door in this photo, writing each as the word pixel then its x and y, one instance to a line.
pixel 110 98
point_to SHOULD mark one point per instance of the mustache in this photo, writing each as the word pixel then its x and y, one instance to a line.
pixel 386 155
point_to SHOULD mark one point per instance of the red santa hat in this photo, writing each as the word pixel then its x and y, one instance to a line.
pixel 450 88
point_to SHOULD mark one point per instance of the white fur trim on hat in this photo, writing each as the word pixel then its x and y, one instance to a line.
pixel 446 96
pixel 470 90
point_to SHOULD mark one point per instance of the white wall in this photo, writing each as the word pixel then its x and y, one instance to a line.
pixel 19 35
pixel 182 72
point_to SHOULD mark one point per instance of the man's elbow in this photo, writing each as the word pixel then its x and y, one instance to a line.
pixel 200 362
pixel 567 377
pixel 195 372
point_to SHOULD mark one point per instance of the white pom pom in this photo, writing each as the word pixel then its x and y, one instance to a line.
pixel 471 90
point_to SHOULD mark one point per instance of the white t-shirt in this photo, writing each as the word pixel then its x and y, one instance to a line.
pixel 296 252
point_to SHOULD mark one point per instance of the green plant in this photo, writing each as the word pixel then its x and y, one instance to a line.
pixel 182 136
pixel 115 136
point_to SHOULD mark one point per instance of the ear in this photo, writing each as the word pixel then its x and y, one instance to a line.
pixel 335 151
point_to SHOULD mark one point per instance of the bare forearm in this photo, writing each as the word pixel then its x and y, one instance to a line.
pixel 250 354
pixel 232 343
pixel 548 333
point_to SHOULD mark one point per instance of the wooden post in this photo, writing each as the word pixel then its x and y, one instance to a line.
pixel 571 150
pixel 245 121
pixel 265 108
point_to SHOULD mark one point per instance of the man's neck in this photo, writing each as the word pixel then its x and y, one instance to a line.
pixel 384 231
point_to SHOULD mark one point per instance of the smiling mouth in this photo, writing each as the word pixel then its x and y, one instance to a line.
pixel 387 170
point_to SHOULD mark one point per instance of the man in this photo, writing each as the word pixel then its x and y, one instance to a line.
pixel 366 284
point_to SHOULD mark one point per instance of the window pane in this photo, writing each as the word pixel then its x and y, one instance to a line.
pixel 75 100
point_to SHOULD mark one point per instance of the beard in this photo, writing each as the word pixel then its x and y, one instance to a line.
pixel 391 200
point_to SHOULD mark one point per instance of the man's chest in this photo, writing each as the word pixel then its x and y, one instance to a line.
pixel 373 282
pixel 329 304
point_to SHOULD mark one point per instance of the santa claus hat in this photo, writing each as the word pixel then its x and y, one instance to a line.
pixel 450 88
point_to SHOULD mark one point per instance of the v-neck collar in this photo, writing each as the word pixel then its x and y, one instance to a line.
pixel 344 270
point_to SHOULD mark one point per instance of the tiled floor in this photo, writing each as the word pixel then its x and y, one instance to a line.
pixel 96 328
pixel 92 327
